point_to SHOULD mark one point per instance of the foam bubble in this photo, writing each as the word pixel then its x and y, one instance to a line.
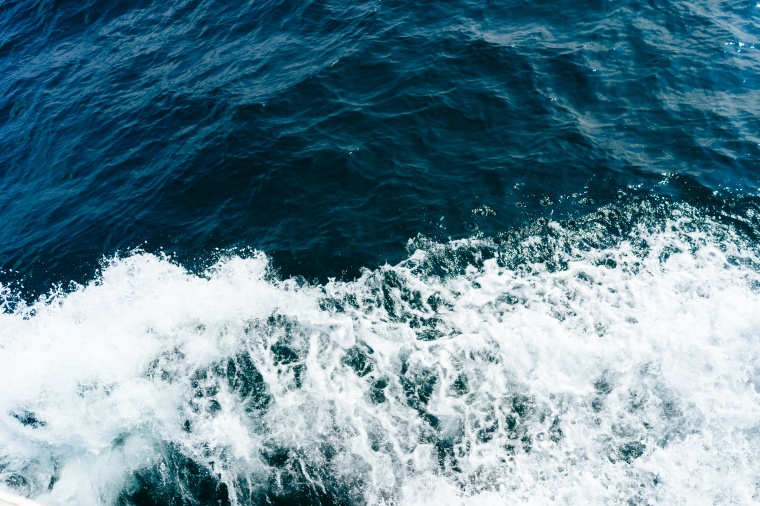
pixel 614 360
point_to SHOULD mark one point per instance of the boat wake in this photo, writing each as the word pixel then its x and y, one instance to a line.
pixel 613 359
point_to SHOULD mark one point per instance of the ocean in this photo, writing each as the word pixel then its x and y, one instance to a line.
pixel 324 252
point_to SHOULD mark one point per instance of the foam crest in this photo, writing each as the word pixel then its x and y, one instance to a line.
pixel 612 360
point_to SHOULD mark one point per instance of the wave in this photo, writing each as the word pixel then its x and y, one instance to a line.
pixel 613 359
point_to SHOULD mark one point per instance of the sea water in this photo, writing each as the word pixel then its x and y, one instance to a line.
pixel 326 252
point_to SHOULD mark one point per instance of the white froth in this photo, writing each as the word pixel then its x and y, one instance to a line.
pixel 623 378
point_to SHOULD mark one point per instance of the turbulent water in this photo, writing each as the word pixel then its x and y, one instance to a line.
pixel 370 253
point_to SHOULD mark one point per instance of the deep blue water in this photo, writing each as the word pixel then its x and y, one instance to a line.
pixel 336 136
pixel 327 134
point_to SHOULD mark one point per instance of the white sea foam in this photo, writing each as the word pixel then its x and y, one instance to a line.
pixel 626 372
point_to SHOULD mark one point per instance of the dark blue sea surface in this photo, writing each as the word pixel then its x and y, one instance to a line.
pixel 327 134
pixel 329 146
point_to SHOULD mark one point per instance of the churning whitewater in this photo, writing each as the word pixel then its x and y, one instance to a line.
pixel 609 360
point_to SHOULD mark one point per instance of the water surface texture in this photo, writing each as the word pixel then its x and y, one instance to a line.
pixel 375 253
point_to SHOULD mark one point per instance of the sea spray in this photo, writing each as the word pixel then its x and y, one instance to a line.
pixel 612 359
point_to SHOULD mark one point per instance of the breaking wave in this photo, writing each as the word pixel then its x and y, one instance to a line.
pixel 613 359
